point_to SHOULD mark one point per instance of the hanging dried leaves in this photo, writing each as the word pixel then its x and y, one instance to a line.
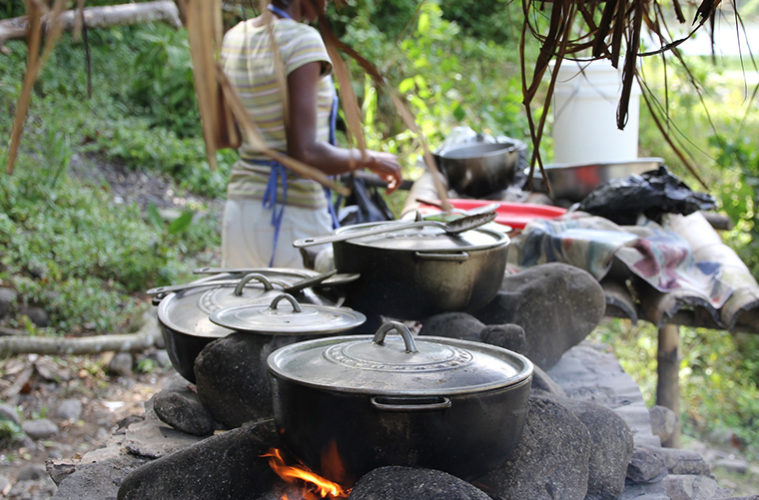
pixel 587 30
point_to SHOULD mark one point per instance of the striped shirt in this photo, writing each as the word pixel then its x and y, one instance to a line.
pixel 248 61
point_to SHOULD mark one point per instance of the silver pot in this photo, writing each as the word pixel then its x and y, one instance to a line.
pixel 442 403
pixel 574 181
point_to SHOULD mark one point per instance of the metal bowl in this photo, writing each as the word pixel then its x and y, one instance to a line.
pixel 574 181
pixel 480 169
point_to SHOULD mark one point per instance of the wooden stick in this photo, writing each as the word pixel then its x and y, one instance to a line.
pixel 32 70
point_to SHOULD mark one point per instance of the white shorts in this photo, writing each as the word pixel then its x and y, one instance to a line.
pixel 247 235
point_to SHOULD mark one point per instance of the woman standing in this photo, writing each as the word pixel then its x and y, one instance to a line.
pixel 268 206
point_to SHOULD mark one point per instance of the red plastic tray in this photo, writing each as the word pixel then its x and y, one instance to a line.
pixel 516 215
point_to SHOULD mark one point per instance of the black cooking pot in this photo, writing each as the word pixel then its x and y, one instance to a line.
pixel 416 272
pixel 480 169
pixel 442 403
pixel 183 312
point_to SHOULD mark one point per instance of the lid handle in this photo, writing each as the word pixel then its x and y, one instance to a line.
pixel 289 298
pixel 408 339
pixel 252 276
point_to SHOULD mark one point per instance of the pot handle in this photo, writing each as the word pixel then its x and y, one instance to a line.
pixel 408 339
pixel 289 298
pixel 252 276
pixel 447 256
pixel 386 403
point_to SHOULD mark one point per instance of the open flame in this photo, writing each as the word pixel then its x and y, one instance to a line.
pixel 314 485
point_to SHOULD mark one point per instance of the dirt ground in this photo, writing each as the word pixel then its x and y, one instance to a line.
pixel 45 385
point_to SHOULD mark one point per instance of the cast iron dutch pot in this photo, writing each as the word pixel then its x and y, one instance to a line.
pixel 183 315
pixel 418 272
pixel 447 404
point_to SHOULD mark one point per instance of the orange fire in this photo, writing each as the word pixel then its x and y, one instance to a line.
pixel 315 486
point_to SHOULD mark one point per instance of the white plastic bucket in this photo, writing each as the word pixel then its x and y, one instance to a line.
pixel 585 103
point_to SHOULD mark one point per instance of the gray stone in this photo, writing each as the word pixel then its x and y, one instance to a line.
pixel 542 382
pixel 121 364
pixel 510 337
pixel 232 379
pixel 663 422
pixel 558 305
pixel 734 465
pixel 8 412
pixel 611 450
pixel 32 472
pixel 680 461
pixel 550 461
pixel 457 325
pixel 227 465
pixel 97 480
pixel 150 438
pixel 37 315
pixel 39 429
pixel 646 466
pixel 69 409
pixel 392 483
pixel 5 485
pixel 8 298
pixel 690 487
pixel 183 410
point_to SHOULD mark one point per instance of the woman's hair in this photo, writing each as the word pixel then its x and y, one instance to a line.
pixel 282 3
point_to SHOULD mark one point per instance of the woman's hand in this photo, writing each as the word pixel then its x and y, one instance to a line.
pixel 387 167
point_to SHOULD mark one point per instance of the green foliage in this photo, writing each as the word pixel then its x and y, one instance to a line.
pixel 10 432
pixel 142 111
pixel 66 246
pixel 495 21
pixel 163 87
pixel 738 158
pixel 146 365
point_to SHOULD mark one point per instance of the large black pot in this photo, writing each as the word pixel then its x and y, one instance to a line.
pixel 433 402
pixel 414 273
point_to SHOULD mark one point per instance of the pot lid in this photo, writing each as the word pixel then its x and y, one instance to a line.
pixel 295 319
pixel 187 311
pixel 399 364
pixel 428 238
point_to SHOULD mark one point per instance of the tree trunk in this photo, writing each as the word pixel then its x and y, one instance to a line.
pixel 145 337
pixel 100 17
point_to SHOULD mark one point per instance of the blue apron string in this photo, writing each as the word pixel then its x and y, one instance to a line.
pixel 270 201
pixel 333 141
pixel 277 10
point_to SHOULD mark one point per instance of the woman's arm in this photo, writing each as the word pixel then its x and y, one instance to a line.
pixel 301 134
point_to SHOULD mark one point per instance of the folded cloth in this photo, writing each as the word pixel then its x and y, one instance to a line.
pixel 654 253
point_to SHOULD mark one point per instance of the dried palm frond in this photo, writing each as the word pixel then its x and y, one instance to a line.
pixel 588 30
pixel 36 10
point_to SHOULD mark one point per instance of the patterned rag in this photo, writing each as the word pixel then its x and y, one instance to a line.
pixel 653 252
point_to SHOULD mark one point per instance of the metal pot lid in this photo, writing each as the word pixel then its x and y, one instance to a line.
pixel 400 365
pixel 293 319
pixel 428 238
pixel 187 311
